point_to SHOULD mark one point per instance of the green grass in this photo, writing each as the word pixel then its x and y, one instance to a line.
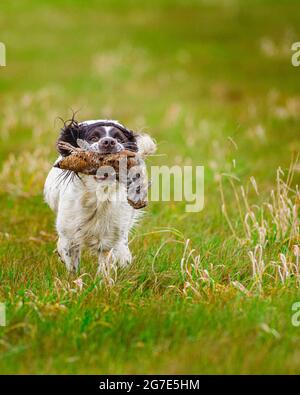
pixel 194 74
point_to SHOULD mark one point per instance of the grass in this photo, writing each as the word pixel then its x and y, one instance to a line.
pixel 214 84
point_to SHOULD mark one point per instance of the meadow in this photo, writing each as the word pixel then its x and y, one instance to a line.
pixel 212 82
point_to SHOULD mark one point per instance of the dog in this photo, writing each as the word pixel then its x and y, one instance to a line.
pixel 90 212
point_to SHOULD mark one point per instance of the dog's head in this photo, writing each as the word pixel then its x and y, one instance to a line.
pixel 103 136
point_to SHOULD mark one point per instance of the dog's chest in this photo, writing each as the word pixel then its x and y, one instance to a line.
pixel 100 221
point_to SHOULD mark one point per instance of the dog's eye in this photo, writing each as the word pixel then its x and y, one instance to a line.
pixel 94 138
pixel 119 137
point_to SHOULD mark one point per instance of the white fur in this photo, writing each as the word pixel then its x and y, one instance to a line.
pixel 146 146
pixel 92 214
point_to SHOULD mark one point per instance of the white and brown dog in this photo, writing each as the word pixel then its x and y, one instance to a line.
pixel 92 213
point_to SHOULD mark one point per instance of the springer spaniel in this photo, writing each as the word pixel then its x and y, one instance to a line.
pixel 93 212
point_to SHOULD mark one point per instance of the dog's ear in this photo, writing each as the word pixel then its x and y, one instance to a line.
pixel 131 137
pixel 71 131
pixel 145 144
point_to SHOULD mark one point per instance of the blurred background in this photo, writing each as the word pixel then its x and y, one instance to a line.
pixel 194 74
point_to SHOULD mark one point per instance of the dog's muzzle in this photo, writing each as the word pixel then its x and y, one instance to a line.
pixel 109 145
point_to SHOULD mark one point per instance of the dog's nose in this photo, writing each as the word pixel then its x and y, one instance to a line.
pixel 107 142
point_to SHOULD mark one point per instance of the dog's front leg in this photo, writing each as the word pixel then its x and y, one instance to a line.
pixel 105 263
pixel 69 252
pixel 108 260
pixel 122 253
